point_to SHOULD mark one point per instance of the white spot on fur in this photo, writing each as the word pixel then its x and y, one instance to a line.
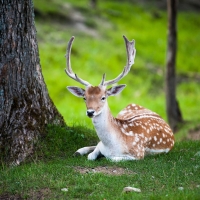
pixel 144 127
pixel 137 124
pixel 123 131
pixel 130 133
pixel 137 139
pixel 125 126
pixel 166 130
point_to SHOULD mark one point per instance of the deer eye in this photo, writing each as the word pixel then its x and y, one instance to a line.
pixel 84 98
pixel 103 98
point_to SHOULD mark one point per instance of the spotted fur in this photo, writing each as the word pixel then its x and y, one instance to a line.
pixel 134 133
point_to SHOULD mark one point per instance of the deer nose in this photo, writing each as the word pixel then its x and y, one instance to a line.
pixel 90 113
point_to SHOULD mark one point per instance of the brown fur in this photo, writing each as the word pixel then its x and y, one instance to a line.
pixel 141 128
pixel 94 90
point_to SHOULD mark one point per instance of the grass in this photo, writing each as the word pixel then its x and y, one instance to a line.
pixel 53 168
pixel 95 51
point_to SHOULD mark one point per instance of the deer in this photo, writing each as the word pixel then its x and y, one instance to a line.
pixel 134 133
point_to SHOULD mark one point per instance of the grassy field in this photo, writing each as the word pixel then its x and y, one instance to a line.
pixel 175 175
pixel 99 48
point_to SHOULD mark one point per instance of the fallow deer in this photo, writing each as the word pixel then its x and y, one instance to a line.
pixel 134 133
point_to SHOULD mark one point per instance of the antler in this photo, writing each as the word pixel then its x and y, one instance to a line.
pixel 68 69
pixel 131 51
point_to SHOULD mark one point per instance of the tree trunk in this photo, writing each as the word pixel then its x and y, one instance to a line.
pixel 173 110
pixel 25 105
pixel 93 4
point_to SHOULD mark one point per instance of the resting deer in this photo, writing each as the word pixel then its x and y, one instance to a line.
pixel 134 133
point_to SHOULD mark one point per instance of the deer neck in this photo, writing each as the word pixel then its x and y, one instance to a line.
pixel 103 124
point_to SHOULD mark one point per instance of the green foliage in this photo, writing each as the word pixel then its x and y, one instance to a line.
pixel 99 48
pixel 64 141
pixel 54 168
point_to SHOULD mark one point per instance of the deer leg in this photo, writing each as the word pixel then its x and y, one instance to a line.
pixel 122 158
pixel 96 153
pixel 84 150
pixel 134 154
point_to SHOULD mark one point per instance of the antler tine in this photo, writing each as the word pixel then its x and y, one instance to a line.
pixel 68 68
pixel 131 52
pixel 103 80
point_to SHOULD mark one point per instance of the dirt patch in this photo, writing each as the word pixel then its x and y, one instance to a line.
pixel 39 194
pixel 105 170
pixel 194 134
pixel 10 197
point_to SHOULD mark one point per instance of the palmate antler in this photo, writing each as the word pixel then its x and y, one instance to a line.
pixel 131 52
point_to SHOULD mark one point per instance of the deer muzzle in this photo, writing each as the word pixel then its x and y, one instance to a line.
pixel 90 113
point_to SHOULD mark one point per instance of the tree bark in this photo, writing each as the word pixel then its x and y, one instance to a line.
pixel 93 4
pixel 25 105
pixel 172 106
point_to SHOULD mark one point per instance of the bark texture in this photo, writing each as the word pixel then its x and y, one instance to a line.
pixel 93 4
pixel 25 105
pixel 173 110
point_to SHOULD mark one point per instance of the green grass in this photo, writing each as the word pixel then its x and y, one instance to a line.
pixel 53 168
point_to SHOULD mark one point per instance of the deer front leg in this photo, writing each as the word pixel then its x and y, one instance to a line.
pixel 95 153
pixel 84 150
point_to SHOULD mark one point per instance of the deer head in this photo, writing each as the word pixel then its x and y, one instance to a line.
pixel 95 97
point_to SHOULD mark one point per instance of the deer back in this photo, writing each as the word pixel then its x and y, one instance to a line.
pixel 140 125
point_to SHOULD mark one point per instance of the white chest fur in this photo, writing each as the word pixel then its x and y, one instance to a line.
pixel 106 133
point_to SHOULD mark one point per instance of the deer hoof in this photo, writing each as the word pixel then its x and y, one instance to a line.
pixel 92 156
pixel 76 154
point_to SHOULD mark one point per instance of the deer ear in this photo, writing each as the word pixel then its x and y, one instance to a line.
pixel 79 92
pixel 115 90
